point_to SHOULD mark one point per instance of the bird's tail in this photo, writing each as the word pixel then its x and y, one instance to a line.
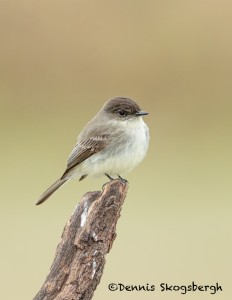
pixel 50 190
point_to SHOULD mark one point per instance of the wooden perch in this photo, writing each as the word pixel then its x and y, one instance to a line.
pixel 87 237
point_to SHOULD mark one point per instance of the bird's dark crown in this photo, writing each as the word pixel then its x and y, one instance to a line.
pixel 122 106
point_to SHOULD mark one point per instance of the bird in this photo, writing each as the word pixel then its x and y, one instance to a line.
pixel 113 143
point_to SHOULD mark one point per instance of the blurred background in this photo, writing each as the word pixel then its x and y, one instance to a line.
pixel 59 62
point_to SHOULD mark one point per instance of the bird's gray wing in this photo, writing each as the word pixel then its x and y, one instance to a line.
pixel 85 149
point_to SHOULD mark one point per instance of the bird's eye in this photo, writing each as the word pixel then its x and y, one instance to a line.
pixel 122 113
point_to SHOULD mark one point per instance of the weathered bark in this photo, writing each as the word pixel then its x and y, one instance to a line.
pixel 87 237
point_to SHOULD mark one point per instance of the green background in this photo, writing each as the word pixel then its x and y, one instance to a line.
pixel 59 62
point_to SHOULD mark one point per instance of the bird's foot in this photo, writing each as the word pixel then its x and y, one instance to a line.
pixel 119 177
pixel 110 178
pixel 122 179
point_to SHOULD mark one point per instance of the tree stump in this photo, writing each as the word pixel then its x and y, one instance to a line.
pixel 87 237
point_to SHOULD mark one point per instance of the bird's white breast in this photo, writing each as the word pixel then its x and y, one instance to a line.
pixel 129 153
pixel 136 149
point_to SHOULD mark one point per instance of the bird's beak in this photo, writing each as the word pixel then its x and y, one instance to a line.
pixel 141 113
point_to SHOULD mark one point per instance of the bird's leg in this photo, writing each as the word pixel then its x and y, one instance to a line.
pixel 110 178
pixel 122 179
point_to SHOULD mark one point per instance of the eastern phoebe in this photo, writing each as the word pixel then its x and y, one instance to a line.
pixel 112 143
